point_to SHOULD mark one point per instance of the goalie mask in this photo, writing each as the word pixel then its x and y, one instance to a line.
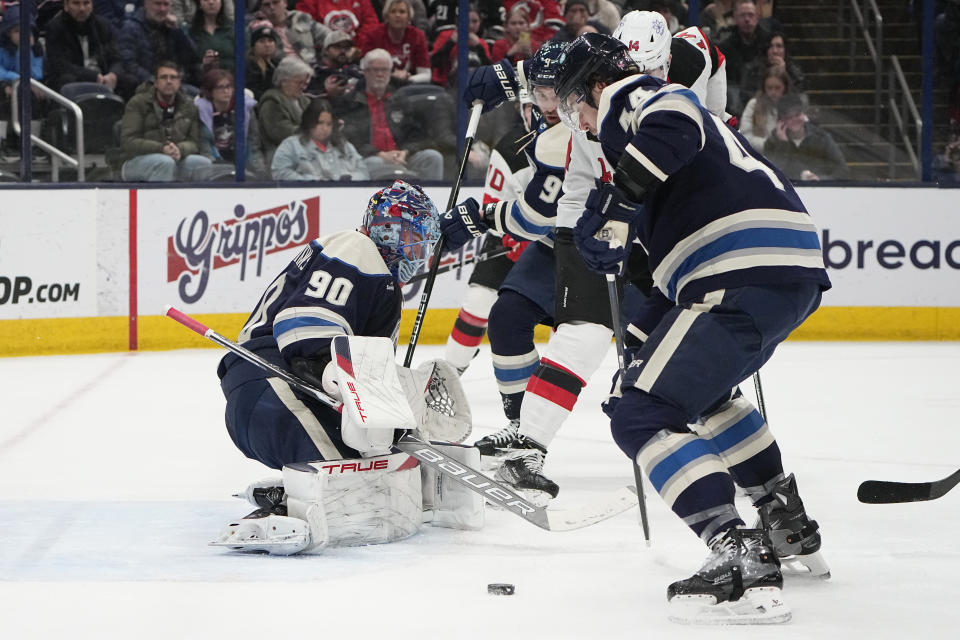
pixel 648 40
pixel 403 222
pixel 591 58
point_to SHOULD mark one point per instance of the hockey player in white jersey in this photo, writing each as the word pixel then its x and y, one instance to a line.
pixel 331 318
pixel 737 261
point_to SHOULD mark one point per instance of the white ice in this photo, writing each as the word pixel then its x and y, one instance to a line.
pixel 116 470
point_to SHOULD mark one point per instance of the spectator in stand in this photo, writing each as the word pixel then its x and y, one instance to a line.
pixel 113 11
pixel 776 56
pixel 760 115
pixel 802 150
pixel 215 107
pixel 351 16
pixel 281 108
pixel 946 167
pixel 384 147
pixel 443 58
pixel 260 60
pixel 405 43
pixel 335 75
pixel 160 132
pixel 741 44
pixel 300 35
pixel 184 10
pixel 716 16
pixel 318 151
pixel 673 12
pixel 212 34
pixel 603 14
pixel 947 58
pixel 441 16
pixel 81 48
pixel 517 42
pixel 576 15
pixel 10 65
pixel 545 16
pixel 149 35
pixel 493 15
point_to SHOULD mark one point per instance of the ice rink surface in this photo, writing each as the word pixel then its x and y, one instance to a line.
pixel 116 470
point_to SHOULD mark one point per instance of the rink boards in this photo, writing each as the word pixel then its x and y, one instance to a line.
pixel 86 270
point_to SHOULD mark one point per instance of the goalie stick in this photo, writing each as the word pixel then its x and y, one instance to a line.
pixel 495 492
pixel 887 492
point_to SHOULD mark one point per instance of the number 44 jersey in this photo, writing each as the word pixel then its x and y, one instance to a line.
pixel 717 214
pixel 338 285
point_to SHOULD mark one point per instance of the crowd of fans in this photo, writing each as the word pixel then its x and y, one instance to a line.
pixel 358 89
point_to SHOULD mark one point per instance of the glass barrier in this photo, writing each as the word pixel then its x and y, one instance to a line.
pixel 859 90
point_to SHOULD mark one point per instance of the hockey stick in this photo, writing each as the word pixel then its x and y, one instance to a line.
pixel 500 494
pixel 622 362
pixel 887 492
pixel 438 248
pixel 758 388
pixel 480 257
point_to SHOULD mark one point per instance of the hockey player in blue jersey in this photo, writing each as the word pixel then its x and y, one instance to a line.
pixel 340 483
pixel 737 261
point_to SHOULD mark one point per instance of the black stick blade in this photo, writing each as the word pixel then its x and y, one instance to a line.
pixel 887 492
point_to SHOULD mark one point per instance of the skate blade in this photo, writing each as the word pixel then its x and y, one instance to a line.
pixel 811 565
pixel 760 605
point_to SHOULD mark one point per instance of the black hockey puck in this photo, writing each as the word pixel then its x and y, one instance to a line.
pixel 500 589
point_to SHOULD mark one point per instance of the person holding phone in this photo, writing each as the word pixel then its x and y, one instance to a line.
pixel 517 42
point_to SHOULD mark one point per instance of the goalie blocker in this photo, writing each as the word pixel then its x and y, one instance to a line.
pixel 348 503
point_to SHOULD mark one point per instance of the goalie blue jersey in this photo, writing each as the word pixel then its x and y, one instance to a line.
pixel 717 214
pixel 338 285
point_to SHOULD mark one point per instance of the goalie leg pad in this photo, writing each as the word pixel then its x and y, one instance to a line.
pixel 357 502
pixel 446 503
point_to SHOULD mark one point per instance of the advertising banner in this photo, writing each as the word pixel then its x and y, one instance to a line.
pixel 889 247
pixel 48 255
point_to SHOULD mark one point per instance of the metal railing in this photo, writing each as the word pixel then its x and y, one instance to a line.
pixel 899 123
pixel 56 155
pixel 874 48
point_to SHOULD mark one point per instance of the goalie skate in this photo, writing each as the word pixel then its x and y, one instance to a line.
pixel 795 537
pixel 740 583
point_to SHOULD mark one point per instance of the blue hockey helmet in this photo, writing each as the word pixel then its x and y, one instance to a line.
pixel 404 224
pixel 543 65
pixel 591 58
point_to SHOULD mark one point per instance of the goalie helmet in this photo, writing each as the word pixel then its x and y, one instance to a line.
pixel 648 39
pixel 591 58
pixel 404 224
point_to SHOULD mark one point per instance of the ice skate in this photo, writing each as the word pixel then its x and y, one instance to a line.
pixel 496 446
pixel 795 537
pixel 740 583
pixel 522 469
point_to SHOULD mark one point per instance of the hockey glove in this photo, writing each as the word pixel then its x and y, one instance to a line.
pixel 462 224
pixel 492 84
pixel 607 228
pixel 610 404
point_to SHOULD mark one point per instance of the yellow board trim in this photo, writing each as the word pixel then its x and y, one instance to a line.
pixel 50 336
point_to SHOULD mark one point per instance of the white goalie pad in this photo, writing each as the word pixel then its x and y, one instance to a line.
pixel 357 502
pixel 374 403
pixel 436 397
pixel 447 503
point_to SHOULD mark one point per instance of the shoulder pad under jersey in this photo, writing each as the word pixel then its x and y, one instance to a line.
pixel 355 249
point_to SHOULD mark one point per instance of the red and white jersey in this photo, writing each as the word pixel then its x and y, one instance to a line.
pixel 698 64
